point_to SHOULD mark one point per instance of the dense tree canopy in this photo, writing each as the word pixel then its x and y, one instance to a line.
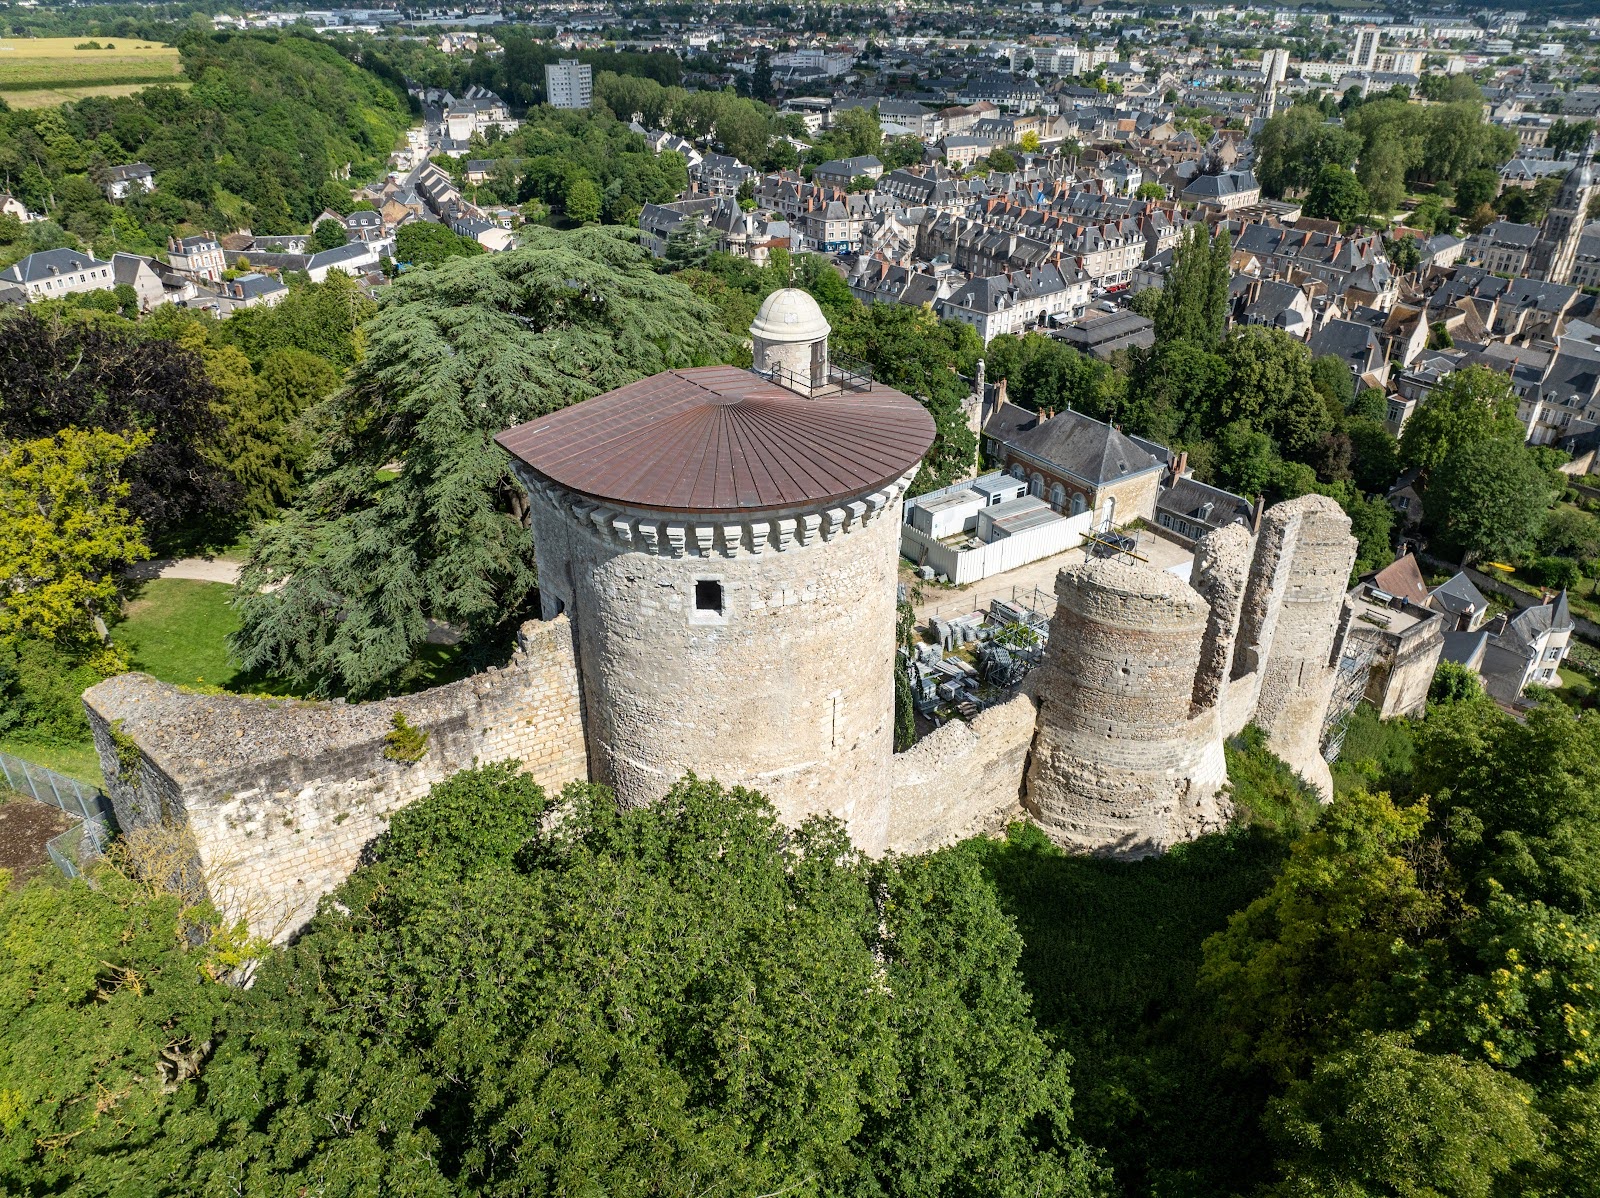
pixel 258 139
pixel 1391 144
pixel 1421 977
pixel 71 374
pixel 656 1001
pixel 1467 408
pixel 339 592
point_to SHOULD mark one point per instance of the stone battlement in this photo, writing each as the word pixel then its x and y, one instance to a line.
pixel 282 794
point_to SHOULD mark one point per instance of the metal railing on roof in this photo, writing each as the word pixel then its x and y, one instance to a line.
pixel 841 374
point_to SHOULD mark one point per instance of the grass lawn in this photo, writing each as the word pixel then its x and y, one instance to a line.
pixel 78 761
pixel 55 63
pixel 177 630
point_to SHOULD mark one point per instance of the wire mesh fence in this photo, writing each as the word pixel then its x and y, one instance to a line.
pixel 91 806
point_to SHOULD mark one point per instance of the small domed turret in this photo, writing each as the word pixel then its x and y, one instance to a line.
pixel 789 340
pixel 790 315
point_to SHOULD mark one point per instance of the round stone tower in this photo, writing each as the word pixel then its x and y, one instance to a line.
pixel 725 548
pixel 1124 763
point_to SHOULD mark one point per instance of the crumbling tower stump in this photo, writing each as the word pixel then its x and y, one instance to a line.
pixel 1123 763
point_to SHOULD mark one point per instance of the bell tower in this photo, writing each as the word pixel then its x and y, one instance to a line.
pixel 1563 225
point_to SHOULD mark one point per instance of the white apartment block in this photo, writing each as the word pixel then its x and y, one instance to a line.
pixel 568 84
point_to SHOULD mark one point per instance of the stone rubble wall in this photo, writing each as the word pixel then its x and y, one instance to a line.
pixel 962 779
pixel 283 795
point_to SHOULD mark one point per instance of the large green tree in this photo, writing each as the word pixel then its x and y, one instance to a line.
pixel 1488 500
pixel 1336 194
pixel 1271 386
pixel 521 996
pixel 1468 407
pixel 62 373
pixel 911 349
pixel 423 244
pixel 64 533
pixel 1384 1120
pixel 337 594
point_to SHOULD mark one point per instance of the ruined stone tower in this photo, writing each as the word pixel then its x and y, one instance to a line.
pixel 725 543
pixel 1297 588
pixel 1146 675
pixel 1121 763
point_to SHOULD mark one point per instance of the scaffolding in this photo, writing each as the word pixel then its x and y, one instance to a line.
pixel 1349 688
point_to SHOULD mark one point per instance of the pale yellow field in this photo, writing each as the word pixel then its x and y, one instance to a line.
pixel 53 64
pixel 50 97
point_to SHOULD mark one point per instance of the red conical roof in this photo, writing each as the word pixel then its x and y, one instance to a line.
pixel 721 439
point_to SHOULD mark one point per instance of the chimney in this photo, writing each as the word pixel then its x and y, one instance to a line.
pixel 1181 466
pixel 1000 392
pixel 1256 513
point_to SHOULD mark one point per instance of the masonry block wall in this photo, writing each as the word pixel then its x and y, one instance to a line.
pixel 786 688
pixel 962 779
pixel 1298 668
pixel 282 795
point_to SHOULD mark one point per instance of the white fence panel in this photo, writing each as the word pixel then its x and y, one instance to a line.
pixel 962 566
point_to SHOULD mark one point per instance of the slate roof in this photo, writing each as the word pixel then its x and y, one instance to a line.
pixel 1457 596
pixel 850 167
pixel 1189 498
pixel 1228 183
pixel 1529 624
pixel 48 264
pixel 1349 341
pixel 995 293
pixel 1505 232
pixel 350 251
pixel 1464 648
pixel 1078 445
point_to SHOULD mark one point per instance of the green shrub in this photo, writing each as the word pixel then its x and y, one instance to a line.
pixel 41 693
pixel 1377 754
pixel 403 742
pixel 1453 682
pixel 1266 792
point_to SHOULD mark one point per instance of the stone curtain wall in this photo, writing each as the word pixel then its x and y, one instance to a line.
pixel 962 779
pixel 282 795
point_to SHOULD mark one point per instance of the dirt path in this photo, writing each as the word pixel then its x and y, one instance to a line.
pixel 200 569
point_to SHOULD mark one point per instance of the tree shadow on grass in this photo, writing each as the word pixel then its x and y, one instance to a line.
pixel 1111 953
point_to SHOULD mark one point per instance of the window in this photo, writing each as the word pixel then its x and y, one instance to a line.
pixel 1078 505
pixel 1552 654
pixel 1036 486
pixel 708 596
pixel 1058 496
